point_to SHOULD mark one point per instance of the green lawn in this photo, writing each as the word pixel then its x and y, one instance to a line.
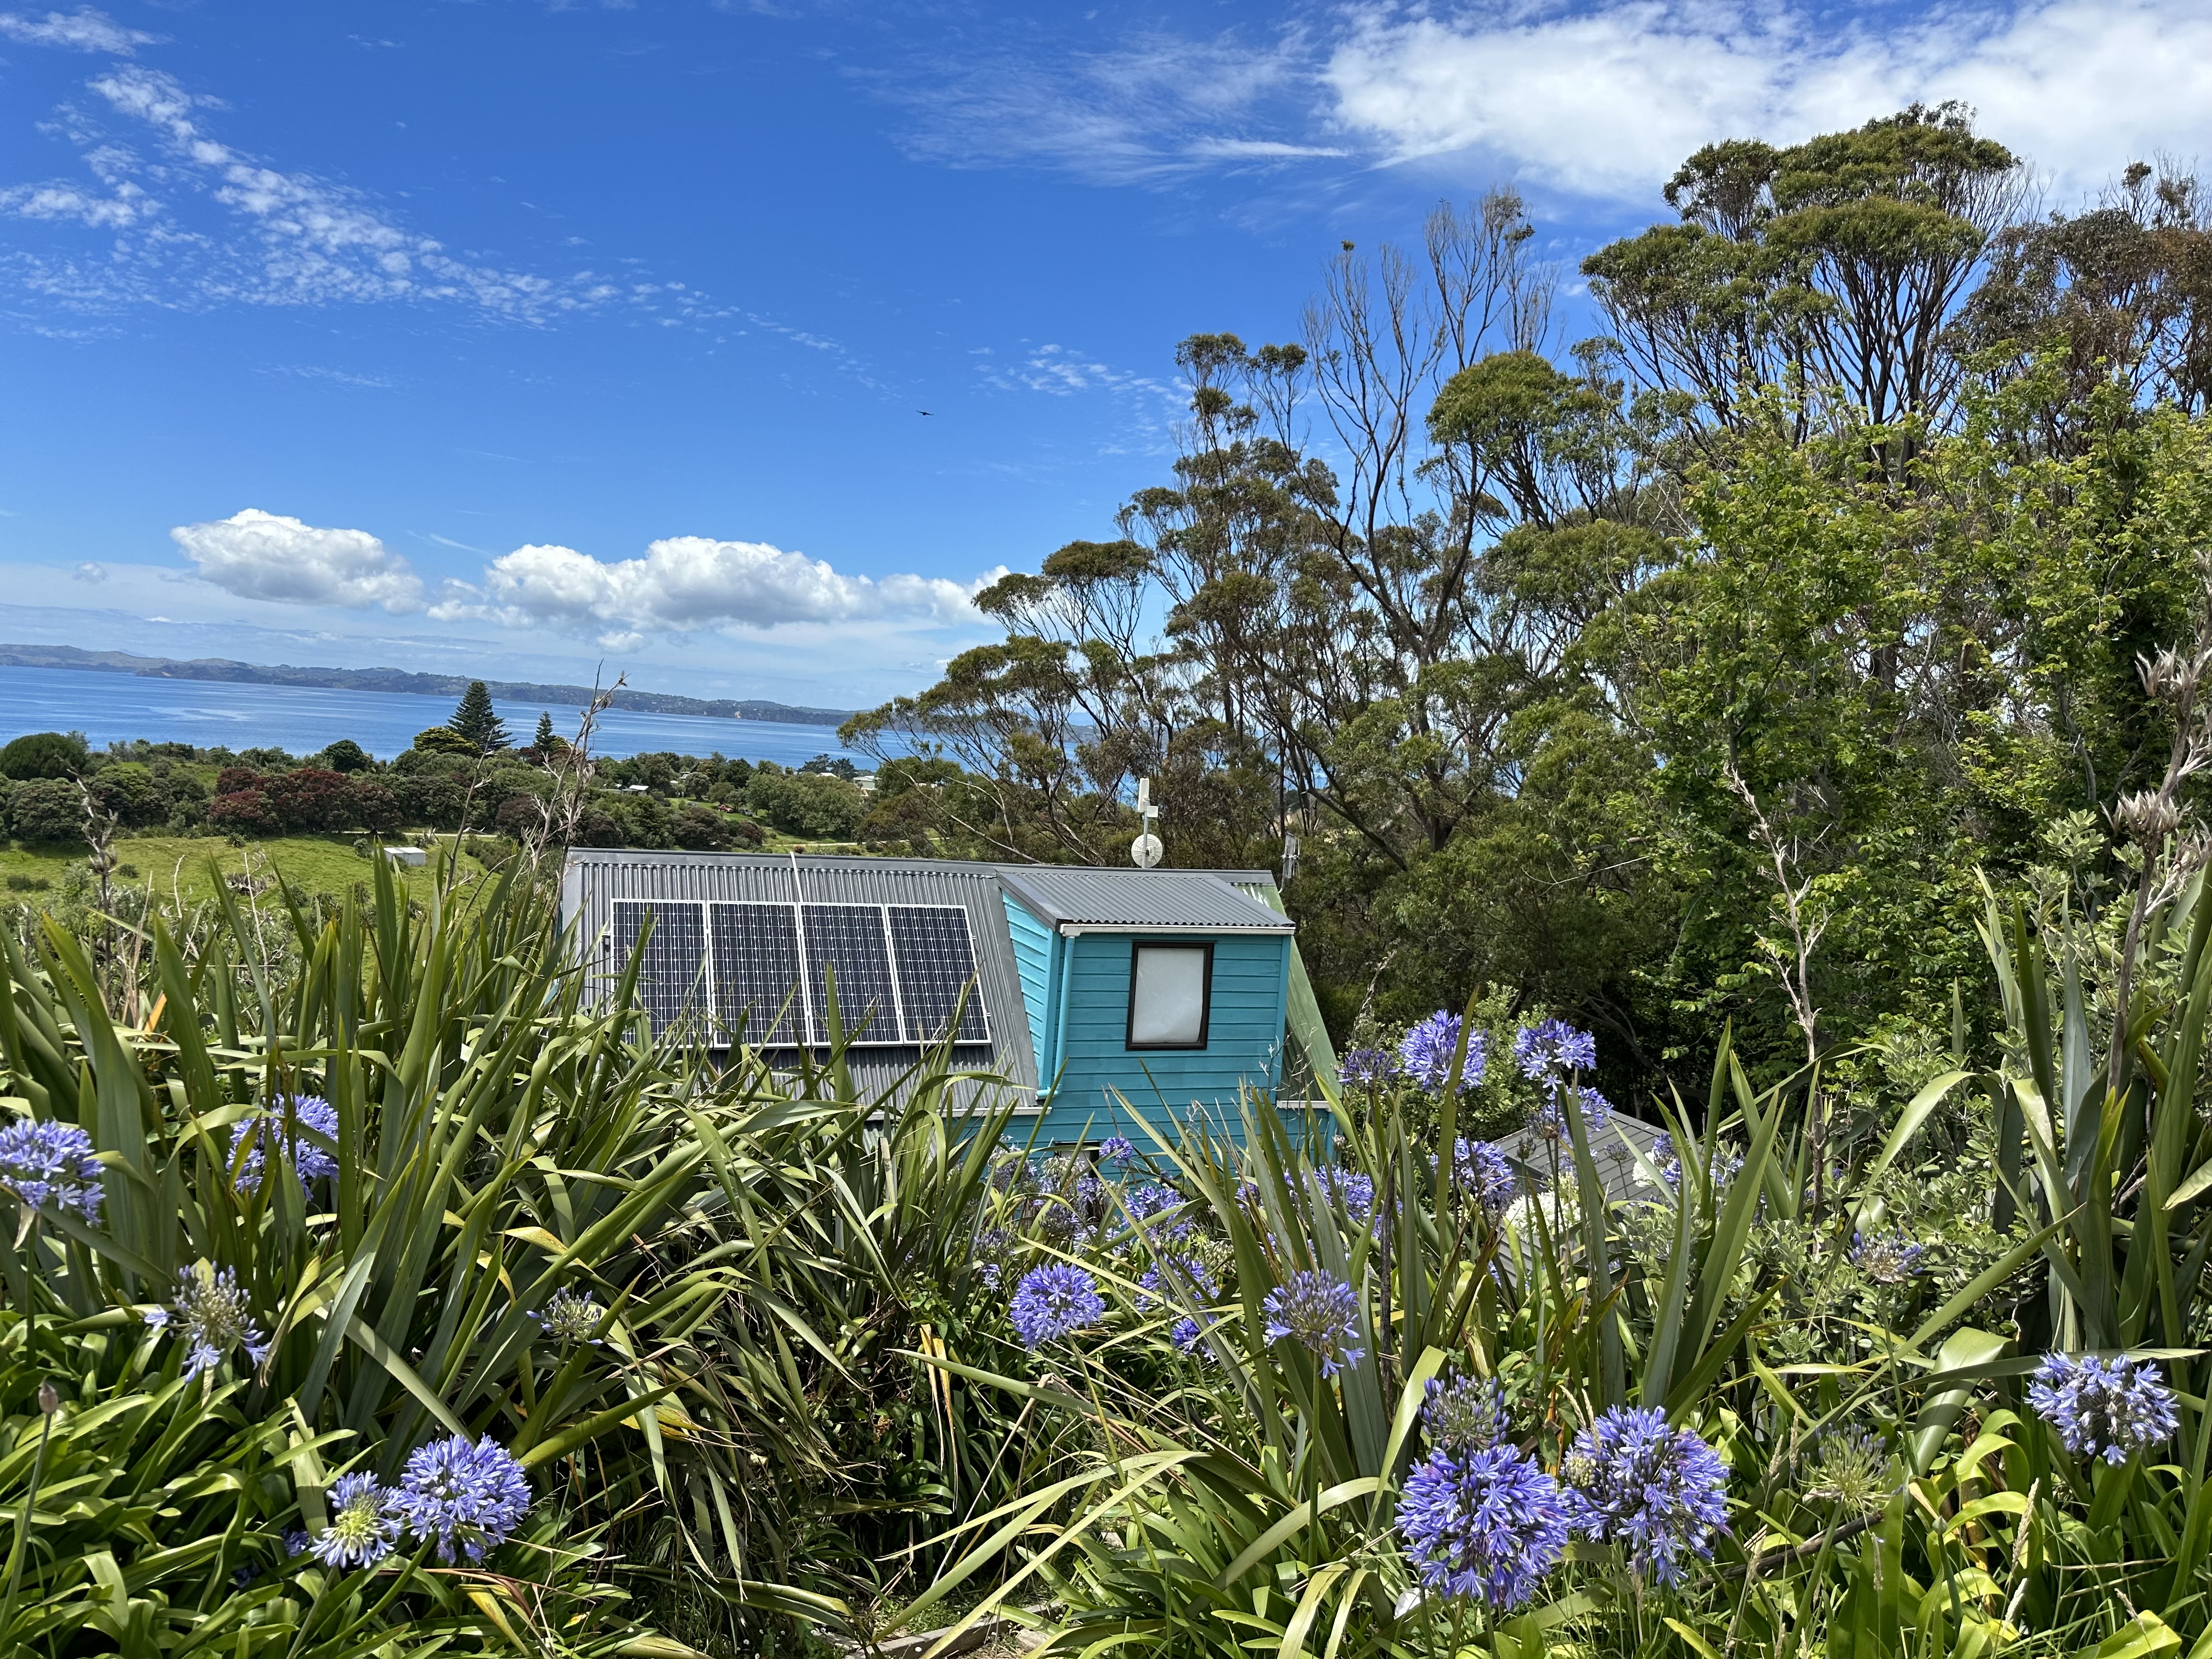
pixel 187 867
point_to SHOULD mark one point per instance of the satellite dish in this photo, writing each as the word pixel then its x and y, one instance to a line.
pixel 1144 851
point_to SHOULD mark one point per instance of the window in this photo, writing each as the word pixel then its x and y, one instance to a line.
pixel 1170 988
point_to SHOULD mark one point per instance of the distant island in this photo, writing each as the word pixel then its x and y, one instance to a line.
pixel 399 679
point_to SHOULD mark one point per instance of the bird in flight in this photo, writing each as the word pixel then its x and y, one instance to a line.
pixel 925 411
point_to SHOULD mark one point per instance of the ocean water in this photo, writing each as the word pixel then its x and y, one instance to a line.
pixel 212 713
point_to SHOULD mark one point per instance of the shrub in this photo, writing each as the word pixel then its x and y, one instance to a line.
pixel 20 883
pixel 232 779
pixel 429 799
pixel 310 797
pixel 443 740
pixel 701 829
pixel 47 810
pixel 243 812
pixel 373 807
pixel 347 755
pixel 45 754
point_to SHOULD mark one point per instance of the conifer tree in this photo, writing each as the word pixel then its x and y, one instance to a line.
pixel 544 742
pixel 475 720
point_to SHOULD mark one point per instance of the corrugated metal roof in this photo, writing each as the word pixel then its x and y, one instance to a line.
pixel 594 880
pixel 1197 901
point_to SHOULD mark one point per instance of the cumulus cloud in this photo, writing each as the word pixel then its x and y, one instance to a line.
pixel 685 584
pixel 84 30
pixel 1605 101
pixel 267 555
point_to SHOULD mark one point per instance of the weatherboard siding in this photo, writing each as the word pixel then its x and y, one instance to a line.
pixel 1243 1045
pixel 1034 944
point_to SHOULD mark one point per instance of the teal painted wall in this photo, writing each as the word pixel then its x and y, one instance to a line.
pixel 1035 947
pixel 1244 1034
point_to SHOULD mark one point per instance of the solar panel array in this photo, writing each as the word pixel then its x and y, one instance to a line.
pixel 936 965
pixel 765 971
pixel 672 976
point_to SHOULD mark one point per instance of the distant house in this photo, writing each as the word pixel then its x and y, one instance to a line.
pixel 1095 994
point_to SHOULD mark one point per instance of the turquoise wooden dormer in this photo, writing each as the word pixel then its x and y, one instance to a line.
pixel 1146 990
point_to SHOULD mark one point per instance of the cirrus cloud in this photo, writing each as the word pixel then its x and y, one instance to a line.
pixel 268 556
pixel 689 584
pixel 85 30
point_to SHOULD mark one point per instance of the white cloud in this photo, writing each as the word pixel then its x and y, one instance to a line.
pixel 267 555
pixel 1606 101
pixel 685 584
pixel 1154 108
pixel 86 30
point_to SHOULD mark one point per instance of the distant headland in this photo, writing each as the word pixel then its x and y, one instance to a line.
pixel 399 679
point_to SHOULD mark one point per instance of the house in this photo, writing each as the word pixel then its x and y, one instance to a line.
pixel 1094 994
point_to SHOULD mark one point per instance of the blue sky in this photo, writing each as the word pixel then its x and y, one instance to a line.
pixel 514 336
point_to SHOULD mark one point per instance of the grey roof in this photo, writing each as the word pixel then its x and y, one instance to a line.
pixel 1616 1164
pixel 1148 901
pixel 594 880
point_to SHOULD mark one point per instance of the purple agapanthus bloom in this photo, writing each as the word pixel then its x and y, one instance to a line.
pixel 50 1164
pixel 1117 1149
pixel 1482 1522
pixel 213 1317
pixel 1551 1052
pixel 1888 1258
pixel 1158 1282
pixel 1185 1334
pixel 463 1497
pixel 309 1160
pixel 1426 1053
pixel 297 1541
pixel 1633 1479
pixel 1053 1301
pixel 568 1317
pixel 1468 1411
pixel 1484 1172
pixel 364 1524
pixel 1550 1119
pixel 2107 1408
pixel 1320 1314
pixel 1350 1188
pixel 1725 1167
pixel 1368 1066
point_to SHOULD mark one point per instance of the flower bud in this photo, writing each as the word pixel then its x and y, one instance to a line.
pixel 2147 817
pixel 50 1400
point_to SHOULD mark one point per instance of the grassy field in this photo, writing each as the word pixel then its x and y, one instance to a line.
pixel 187 868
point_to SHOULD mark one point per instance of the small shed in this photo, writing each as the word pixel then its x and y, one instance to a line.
pixel 1084 988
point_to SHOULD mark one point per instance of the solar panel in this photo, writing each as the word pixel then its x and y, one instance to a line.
pixel 756 973
pixel 848 940
pixel 936 962
pixel 669 978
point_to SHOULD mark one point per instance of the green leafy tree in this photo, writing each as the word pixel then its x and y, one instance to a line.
pixel 478 722
pixel 45 754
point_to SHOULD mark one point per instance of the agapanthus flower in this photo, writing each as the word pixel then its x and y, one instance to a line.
pixel 1549 1052
pixel 1468 1411
pixel 2107 1408
pixel 1053 1301
pixel 1185 1334
pixel 213 1317
pixel 1852 1469
pixel 1726 1164
pixel 1631 1478
pixel 1355 1191
pixel 1157 1282
pixel 1117 1149
pixel 1482 1522
pixel 1426 1053
pixel 1368 1066
pixel 1888 1258
pixel 364 1524
pixel 463 1497
pixel 309 1160
pixel 1320 1314
pixel 1149 1198
pixel 569 1316
pixel 50 1164
pixel 1550 1119
pixel 297 1542
pixel 1484 1172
